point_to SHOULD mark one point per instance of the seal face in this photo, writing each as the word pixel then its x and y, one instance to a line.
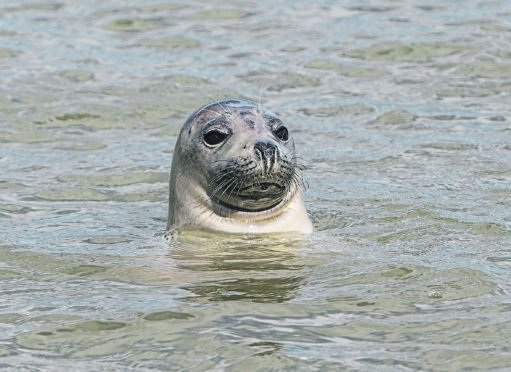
pixel 234 169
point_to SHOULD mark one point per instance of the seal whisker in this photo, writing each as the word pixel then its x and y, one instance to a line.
pixel 234 188
pixel 225 107
pixel 230 183
pixel 220 187
pixel 222 174
pixel 260 95
pixel 300 182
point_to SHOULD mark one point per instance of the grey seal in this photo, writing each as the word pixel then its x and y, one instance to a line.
pixel 234 170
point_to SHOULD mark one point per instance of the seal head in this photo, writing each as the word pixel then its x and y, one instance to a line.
pixel 234 169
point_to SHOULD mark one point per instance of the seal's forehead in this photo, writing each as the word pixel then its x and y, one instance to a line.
pixel 215 109
pixel 227 105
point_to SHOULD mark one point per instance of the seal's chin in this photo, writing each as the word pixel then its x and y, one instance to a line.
pixel 257 197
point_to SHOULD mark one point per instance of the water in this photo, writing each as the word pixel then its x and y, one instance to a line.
pixel 401 111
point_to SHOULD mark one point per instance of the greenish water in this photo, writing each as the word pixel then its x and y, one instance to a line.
pixel 401 111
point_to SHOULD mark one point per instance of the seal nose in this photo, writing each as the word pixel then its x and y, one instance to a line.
pixel 267 152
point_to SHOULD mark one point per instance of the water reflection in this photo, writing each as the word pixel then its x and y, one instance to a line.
pixel 263 269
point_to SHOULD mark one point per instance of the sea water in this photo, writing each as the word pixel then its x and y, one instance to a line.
pixel 401 114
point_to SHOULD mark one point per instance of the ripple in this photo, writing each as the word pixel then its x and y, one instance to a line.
pixel 495 28
pixel 107 240
pixel 83 147
pixel 395 117
pixel 486 69
pixel 222 14
pixel 77 76
pixel 84 270
pixel 73 195
pixel 46 7
pixel 96 326
pixel 372 9
pixel 481 90
pixel 355 72
pixel 419 52
pixel 7 53
pixel 25 138
pixel 116 179
pixel 166 315
pixel 14 208
pixel 171 43
pixel 354 109
pixel 293 81
pixel 9 274
pixel 451 146
pixel 453 359
pixel 164 7
pixel 88 121
pixel 77 116
pixel 488 229
pixel 132 25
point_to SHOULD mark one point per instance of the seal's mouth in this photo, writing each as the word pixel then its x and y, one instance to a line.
pixel 266 188
pixel 242 185
pixel 254 197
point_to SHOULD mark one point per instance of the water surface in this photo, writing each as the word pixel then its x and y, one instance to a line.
pixel 401 112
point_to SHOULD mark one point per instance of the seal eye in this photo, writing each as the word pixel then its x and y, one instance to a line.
pixel 214 137
pixel 282 133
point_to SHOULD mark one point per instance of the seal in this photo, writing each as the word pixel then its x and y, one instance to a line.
pixel 234 170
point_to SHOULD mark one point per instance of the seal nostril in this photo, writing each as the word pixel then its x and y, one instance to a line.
pixel 265 150
pixel 259 153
